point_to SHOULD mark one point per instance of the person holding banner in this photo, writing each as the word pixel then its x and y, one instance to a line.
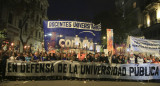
pixel 64 56
pixel 105 59
pixel 114 59
pixel 20 57
pixel 36 57
pixel 92 57
pixel 45 57
pixel 12 57
pixel 72 57
pixel 68 56
pixel 121 59
pixel 32 56
pixel 52 56
pixel 81 56
pixel 88 58
pixel 152 58
pixel 126 60
pixel 27 57
pixel 156 61
pixel 102 57
pixel 140 60
pixel 58 56
pixel 110 57
pixel 4 61
pixel 148 60
pixel 132 59
pixel 96 58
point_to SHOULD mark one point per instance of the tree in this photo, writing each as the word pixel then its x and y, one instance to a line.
pixel 112 20
pixel 25 9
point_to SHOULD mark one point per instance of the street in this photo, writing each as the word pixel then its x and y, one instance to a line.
pixel 77 83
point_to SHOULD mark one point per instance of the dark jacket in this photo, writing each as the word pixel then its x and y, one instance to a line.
pixel 106 59
pixel 21 58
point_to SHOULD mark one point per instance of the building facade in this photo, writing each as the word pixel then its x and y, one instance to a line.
pixel 23 22
pixel 131 11
pixel 140 17
pixel 151 19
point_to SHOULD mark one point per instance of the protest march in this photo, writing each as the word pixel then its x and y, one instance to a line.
pixel 73 50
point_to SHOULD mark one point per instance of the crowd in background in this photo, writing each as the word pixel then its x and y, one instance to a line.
pixel 82 57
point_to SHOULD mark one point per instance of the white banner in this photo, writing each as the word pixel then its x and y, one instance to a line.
pixel 145 46
pixel 84 70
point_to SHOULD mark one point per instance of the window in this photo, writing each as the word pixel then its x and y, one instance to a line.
pixel 39 34
pixel 20 23
pixel 26 27
pixel 134 4
pixel 39 4
pixel 40 22
pixel 148 20
pixel 158 12
pixel 153 17
pixel 10 18
pixel 122 2
pixel 37 18
pixel 41 7
pixel 36 33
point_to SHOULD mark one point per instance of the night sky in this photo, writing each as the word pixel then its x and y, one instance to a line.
pixel 80 10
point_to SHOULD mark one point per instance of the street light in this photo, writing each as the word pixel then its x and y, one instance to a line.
pixel 60 35
pixel 104 37
pixel 25 47
pixel 49 34
pixel 12 44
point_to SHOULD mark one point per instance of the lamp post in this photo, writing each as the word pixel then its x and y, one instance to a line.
pixel 25 48
pixel 104 37
pixel 28 49
pixel 42 46
pixel 12 46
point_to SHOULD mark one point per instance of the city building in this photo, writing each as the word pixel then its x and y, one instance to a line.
pixel 23 22
pixel 131 11
pixel 140 17
pixel 151 19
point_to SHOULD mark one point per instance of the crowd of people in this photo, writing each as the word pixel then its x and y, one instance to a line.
pixel 82 57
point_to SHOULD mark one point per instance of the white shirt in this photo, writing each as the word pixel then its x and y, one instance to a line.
pixel 110 59
pixel 148 61
pixel 12 58
pixel 132 60
pixel 140 60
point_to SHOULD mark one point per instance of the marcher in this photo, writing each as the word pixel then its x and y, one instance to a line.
pixel 110 57
pixel 27 57
pixel 4 60
pixel 132 59
pixel 20 57
pixel 13 57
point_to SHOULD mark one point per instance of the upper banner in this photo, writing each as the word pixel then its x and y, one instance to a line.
pixel 73 24
pixel 84 70
pixel 145 46
pixel 71 34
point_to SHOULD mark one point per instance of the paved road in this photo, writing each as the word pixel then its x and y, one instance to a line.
pixel 76 83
